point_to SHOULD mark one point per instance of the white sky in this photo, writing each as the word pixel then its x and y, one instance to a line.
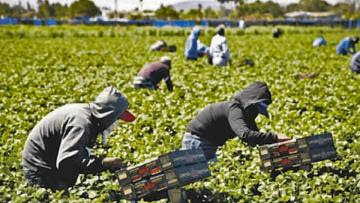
pixel 130 4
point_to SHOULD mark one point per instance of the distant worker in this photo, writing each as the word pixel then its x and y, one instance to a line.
pixel 222 121
pixel 277 32
pixel 151 74
pixel 319 41
pixel 191 46
pixel 219 50
pixel 161 45
pixel 347 45
pixel 355 63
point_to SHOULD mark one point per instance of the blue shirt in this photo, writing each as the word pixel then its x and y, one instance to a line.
pixel 347 45
pixel 191 49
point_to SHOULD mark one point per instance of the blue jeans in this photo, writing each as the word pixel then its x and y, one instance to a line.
pixel 191 141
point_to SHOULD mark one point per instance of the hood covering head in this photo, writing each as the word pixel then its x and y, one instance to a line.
pixel 108 106
pixel 166 60
pixel 254 94
pixel 196 31
pixel 220 29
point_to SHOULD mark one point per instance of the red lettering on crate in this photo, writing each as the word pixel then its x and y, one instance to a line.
pixel 149 185
pixel 285 162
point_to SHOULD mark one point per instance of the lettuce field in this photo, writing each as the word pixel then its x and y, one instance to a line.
pixel 43 68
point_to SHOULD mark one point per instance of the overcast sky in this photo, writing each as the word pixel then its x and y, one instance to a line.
pixel 130 4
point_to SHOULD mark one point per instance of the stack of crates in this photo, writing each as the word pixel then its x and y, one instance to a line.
pixel 297 153
pixel 168 171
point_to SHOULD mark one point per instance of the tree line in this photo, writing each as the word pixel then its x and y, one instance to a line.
pixel 47 10
pixel 243 10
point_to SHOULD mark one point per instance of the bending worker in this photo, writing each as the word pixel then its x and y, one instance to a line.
pixel 222 121
pixel 347 45
pixel 151 75
pixel 58 148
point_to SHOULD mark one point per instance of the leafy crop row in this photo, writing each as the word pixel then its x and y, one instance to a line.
pixel 39 74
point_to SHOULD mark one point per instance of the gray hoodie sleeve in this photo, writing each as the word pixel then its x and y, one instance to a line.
pixel 244 132
pixel 73 156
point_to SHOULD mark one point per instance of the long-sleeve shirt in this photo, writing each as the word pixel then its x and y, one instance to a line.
pixel 59 144
pixel 155 72
pixel 221 121
pixel 355 63
pixel 347 45
pixel 219 49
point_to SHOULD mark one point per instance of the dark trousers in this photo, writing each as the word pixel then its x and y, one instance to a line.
pixel 46 179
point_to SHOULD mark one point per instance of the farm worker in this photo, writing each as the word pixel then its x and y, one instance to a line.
pixel 157 46
pixel 58 148
pixel 219 122
pixel 219 50
pixel 277 32
pixel 319 41
pixel 347 45
pixel 161 45
pixel 151 74
pixel 355 63
pixel 191 45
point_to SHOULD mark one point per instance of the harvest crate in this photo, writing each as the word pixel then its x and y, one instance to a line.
pixel 296 153
pixel 174 177
pixel 158 165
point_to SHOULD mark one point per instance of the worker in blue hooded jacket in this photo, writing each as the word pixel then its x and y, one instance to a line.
pixel 191 46
pixel 347 45
pixel 319 41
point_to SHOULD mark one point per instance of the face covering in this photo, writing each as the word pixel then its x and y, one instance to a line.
pixel 106 132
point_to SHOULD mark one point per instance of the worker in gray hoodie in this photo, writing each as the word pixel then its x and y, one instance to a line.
pixel 58 148
pixel 222 121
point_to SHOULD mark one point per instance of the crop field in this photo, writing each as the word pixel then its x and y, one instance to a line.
pixel 42 68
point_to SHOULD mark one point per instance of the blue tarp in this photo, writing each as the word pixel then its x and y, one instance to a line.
pixel 8 21
pixel 50 22
pixel 175 23
pixel 37 22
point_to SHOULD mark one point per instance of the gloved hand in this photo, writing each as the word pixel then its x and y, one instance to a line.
pixel 282 138
pixel 113 163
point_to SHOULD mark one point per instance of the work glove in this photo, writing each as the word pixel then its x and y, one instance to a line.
pixel 282 138
pixel 113 163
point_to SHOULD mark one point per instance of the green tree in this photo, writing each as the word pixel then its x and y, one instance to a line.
pixel 60 10
pixel 166 12
pixel 210 13
pixel 5 10
pixel 259 9
pixel 84 8
pixel 314 5
pixel 45 10
pixel 293 7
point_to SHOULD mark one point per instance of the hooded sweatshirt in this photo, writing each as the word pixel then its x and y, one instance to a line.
pixel 58 143
pixel 191 50
pixel 221 121
pixel 347 45
pixel 355 63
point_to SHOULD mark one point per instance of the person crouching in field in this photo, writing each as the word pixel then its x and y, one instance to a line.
pixel 219 51
pixel 161 45
pixel 219 122
pixel 191 45
pixel 355 63
pixel 58 148
pixel 151 74
pixel 319 41
pixel 347 45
